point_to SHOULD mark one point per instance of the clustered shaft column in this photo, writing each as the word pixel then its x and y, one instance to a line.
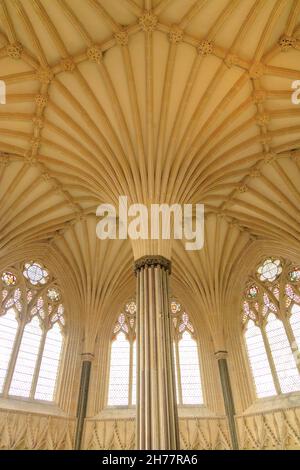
pixel 221 357
pixel 157 421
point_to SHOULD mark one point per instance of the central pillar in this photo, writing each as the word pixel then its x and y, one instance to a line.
pixel 157 421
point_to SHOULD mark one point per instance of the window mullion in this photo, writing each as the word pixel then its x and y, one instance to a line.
pixel 200 367
pixel 271 361
pixel 13 359
pixel 108 374
pixel 180 401
pixel 38 364
pixel 130 372
pixel 291 338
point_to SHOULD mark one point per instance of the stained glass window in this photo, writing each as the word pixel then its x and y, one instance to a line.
pixel 269 270
pixel 295 275
pixel 9 279
pixel 35 273
pixel 31 332
pixel 271 322
pixel 53 294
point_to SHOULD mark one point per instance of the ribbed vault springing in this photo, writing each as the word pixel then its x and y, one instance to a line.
pixel 159 100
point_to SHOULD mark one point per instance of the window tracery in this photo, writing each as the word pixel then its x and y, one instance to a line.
pixel 271 324
pixel 32 325
pixel 122 364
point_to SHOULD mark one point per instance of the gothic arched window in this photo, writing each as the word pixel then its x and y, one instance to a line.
pixel 31 326
pixel 271 324
pixel 186 358
pixel 122 371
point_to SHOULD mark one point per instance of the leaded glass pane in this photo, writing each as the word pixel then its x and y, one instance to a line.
pixel 269 270
pixel 295 324
pixel 46 384
pixel 176 375
pixel 284 360
pixel 8 331
pixel 26 361
pixel 189 371
pixel 119 371
pixel 134 374
pixel 259 363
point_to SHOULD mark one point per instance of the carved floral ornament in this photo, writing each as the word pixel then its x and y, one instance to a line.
pixel 41 100
pixel 95 54
pixel 205 48
pixel 148 21
pixel 14 50
pixel 175 35
pixel 273 288
pixel 286 43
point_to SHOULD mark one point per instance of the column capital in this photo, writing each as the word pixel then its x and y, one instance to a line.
pixel 221 355
pixel 87 357
pixel 149 261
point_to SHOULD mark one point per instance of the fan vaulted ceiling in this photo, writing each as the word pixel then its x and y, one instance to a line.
pixel 159 100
